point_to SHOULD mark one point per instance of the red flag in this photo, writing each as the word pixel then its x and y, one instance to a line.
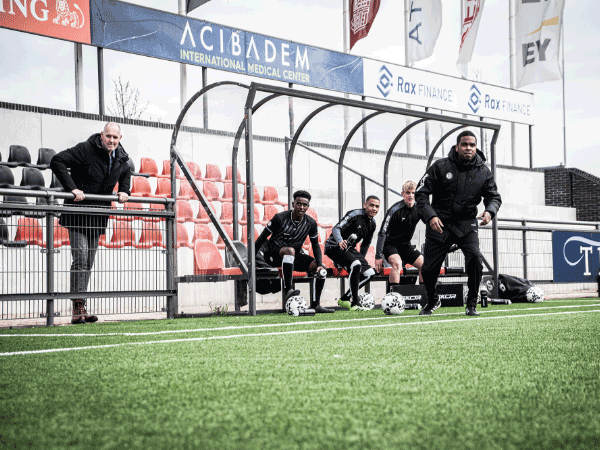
pixel 362 15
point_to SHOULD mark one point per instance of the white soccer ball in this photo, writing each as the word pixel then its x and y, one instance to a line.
pixel 366 301
pixel 535 294
pixel 295 305
pixel 393 304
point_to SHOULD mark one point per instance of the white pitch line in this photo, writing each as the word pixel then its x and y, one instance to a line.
pixel 279 333
pixel 271 325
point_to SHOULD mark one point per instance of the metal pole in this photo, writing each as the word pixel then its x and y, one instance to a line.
pixel 250 212
pixel 78 77
pixel 182 66
pixel 205 97
pixel 346 18
pixel 531 146
pixel 407 64
pixel 291 111
pixel 562 35
pixel 524 223
pixel 50 266
pixel 426 136
pixel 513 75
pixel 172 300
pixel 100 54
pixel 495 257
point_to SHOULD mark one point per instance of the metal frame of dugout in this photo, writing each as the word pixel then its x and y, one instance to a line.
pixel 247 277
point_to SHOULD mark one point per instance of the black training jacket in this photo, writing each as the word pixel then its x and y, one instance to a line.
pixel 358 222
pixel 456 189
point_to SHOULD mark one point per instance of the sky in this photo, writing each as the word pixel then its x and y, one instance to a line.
pixel 39 71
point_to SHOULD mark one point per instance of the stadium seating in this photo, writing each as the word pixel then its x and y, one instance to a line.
pixel 32 178
pixel 184 212
pixel 208 260
pixel 220 242
pixel 228 193
pixel 229 175
pixel 312 213
pixel 5 237
pixel 61 235
pixel 257 219
pixel 55 184
pixel 271 197
pixel 150 237
pixel 186 192
pixel 44 157
pixel 203 215
pixel 245 234
pixel 183 239
pixel 7 179
pixel 195 170
pixel 211 191
pixel 140 187
pixel 202 231
pixel 256 195
pixel 18 155
pixel 166 173
pixel 213 173
pixel 270 211
pixel 148 165
pixel 226 213
pixel 163 188
pixel 122 235
pixel 30 229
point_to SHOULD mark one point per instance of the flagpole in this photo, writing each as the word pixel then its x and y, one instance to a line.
pixel 407 64
pixel 513 74
pixel 346 17
pixel 562 35
pixel 182 66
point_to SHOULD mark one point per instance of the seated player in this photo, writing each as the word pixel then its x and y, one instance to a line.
pixel 284 249
pixel 358 222
pixel 395 234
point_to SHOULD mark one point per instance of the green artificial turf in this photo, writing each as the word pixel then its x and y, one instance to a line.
pixel 323 382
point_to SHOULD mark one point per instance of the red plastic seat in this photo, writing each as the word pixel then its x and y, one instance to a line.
pixel 211 191
pixel 270 211
pixel 220 242
pixel 61 235
pixel 166 173
pixel 130 206
pixel 163 188
pixel 122 236
pixel 148 165
pixel 155 207
pixel 140 187
pixel 203 215
pixel 256 195
pixel 184 212
pixel 244 219
pixel 151 236
pixel 30 229
pixel 228 194
pixel 183 239
pixel 186 192
pixel 202 231
pixel 271 197
pixel 226 213
pixel 229 175
pixel 208 260
pixel 195 169
pixel 213 173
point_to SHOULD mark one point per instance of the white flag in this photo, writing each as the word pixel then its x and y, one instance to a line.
pixel 472 17
pixel 424 25
pixel 538 27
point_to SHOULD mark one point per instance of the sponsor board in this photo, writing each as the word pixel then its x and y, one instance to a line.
pixel 63 19
pixel 130 28
pixel 416 87
pixel 575 256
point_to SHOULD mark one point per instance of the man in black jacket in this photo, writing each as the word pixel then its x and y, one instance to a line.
pixel 457 184
pixel 341 250
pixel 91 167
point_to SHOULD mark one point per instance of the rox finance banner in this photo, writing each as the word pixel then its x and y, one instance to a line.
pixel 575 256
pixel 62 19
pixel 144 31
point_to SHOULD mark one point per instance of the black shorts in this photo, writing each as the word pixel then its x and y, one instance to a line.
pixel 302 261
pixel 408 253
pixel 346 258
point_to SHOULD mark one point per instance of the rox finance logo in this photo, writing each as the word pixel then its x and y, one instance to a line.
pixel 474 99
pixel 384 85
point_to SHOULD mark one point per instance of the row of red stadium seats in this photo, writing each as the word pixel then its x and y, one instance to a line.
pixel 212 173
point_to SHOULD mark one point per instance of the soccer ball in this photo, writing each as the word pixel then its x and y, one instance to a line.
pixel 366 301
pixel 535 294
pixel 393 304
pixel 296 303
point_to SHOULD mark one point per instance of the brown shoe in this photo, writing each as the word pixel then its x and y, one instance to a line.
pixel 77 319
pixel 78 312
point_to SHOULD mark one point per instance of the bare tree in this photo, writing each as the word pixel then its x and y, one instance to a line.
pixel 126 103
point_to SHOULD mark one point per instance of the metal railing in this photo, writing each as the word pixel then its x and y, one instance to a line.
pixel 132 269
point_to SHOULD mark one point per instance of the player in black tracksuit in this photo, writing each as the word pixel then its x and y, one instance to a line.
pixel 361 223
pixel 289 230
pixel 395 234
pixel 457 184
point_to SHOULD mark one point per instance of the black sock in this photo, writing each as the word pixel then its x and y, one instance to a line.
pixel 288 272
pixel 319 284
pixel 354 280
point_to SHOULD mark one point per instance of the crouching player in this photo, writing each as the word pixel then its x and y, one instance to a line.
pixel 356 226
pixel 289 230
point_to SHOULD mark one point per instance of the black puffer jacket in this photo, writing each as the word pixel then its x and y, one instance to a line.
pixel 89 164
pixel 456 189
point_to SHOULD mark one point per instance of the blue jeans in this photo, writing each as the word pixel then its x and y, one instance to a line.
pixel 83 251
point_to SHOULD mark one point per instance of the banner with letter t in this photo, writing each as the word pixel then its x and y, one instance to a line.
pixel 424 25
pixel 538 27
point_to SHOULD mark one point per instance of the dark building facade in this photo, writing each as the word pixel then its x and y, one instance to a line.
pixel 573 188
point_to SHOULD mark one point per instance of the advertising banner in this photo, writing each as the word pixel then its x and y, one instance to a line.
pixel 362 16
pixel 144 31
pixel 538 26
pixel 424 25
pixel 575 256
pixel 418 87
pixel 471 19
pixel 62 19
